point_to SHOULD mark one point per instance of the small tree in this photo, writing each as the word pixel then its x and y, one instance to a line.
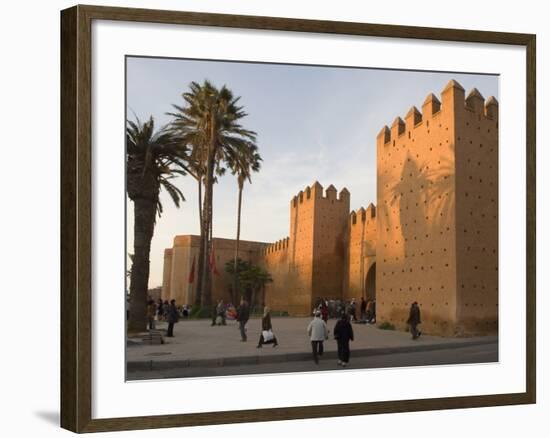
pixel 252 280
pixel 236 270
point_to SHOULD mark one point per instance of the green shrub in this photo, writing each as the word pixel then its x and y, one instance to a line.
pixel 386 326
pixel 198 312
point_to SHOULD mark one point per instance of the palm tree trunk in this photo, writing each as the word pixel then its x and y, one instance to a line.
pixel 199 180
pixel 206 213
pixel 207 295
pixel 209 278
pixel 200 265
pixel 144 223
pixel 236 277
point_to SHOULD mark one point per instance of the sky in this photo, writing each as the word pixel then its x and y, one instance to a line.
pixel 314 123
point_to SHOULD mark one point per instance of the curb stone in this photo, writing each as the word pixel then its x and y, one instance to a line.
pixel 151 365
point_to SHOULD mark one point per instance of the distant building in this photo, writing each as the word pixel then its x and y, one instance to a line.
pixel 155 293
pixel 433 237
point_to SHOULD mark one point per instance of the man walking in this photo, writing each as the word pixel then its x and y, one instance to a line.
pixel 318 332
pixel 243 314
pixel 173 317
pixel 363 310
pixel 414 320
pixel 343 333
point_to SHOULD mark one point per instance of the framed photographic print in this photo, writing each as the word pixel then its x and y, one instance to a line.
pixel 259 212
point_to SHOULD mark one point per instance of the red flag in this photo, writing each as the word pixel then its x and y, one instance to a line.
pixel 213 262
pixel 192 273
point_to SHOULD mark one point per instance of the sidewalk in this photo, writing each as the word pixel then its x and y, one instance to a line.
pixel 197 344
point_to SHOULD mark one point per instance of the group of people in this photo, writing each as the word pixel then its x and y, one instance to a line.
pixel 266 335
pixel 343 334
pixel 329 308
pixel 317 329
pixel 368 311
pixel 163 311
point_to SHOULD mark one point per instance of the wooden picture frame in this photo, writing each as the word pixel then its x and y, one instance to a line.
pixel 76 217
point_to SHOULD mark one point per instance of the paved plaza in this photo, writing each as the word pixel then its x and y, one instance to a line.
pixel 197 346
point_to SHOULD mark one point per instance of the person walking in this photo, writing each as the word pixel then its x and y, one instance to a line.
pixel 318 332
pixel 324 311
pixel 352 310
pixel 220 313
pixel 363 308
pixel 267 336
pixel 160 310
pixel 372 317
pixel 151 313
pixel 243 314
pixel 172 316
pixel 343 333
pixel 414 320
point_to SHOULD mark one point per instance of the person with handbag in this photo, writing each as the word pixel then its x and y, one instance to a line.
pixel 318 333
pixel 267 336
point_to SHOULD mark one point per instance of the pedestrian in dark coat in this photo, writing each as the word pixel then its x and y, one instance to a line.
pixel 414 320
pixel 267 329
pixel 352 310
pixel 160 310
pixel 243 314
pixel 343 333
pixel 371 311
pixel 363 308
pixel 172 317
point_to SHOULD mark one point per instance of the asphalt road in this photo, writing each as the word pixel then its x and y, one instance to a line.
pixel 464 355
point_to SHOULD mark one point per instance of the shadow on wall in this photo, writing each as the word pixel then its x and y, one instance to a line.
pixel 425 199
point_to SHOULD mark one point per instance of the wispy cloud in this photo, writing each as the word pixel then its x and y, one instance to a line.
pixel 313 124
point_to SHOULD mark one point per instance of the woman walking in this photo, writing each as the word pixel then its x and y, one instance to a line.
pixel 267 336
pixel 343 333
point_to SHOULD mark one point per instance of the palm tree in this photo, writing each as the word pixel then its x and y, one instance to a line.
pixel 246 162
pixel 153 159
pixel 209 122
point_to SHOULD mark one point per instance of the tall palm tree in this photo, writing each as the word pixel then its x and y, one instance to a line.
pixel 209 121
pixel 153 159
pixel 246 162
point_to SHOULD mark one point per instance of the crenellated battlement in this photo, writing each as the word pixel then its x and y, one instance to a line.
pixel 362 214
pixel 315 191
pixel 279 245
pixel 452 99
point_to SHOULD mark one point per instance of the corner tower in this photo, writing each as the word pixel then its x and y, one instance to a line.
pixel 437 227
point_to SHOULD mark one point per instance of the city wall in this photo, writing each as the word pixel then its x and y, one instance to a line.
pixel 432 236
